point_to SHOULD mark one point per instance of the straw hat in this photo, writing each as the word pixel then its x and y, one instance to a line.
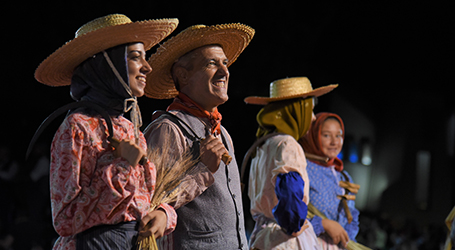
pixel 98 35
pixel 290 88
pixel 233 38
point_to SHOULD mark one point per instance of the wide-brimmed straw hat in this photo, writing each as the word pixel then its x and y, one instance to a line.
pixel 233 38
pixel 290 88
pixel 98 35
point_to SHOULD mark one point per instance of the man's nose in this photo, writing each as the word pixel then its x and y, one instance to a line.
pixel 223 70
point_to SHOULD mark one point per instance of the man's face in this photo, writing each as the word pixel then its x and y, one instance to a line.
pixel 207 77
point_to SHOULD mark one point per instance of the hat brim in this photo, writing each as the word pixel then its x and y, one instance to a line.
pixel 258 100
pixel 233 38
pixel 58 68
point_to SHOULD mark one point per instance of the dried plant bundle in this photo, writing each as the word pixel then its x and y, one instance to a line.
pixel 171 170
pixel 312 211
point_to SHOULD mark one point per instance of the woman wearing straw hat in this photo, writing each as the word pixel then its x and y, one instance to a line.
pixel 332 192
pixel 278 183
pixel 100 196
pixel 192 68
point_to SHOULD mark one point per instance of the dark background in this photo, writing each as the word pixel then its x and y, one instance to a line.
pixel 393 61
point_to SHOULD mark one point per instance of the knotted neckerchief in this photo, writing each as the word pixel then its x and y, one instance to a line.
pixel 184 103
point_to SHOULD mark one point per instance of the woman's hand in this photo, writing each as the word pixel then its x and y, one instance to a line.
pixel 304 226
pixel 335 231
pixel 129 151
pixel 153 223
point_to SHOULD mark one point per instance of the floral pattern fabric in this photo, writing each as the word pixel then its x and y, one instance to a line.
pixel 90 186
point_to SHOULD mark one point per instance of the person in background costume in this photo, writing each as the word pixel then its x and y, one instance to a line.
pixel 450 223
pixel 100 195
pixel 331 188
pixel 192 68
pixel 278 182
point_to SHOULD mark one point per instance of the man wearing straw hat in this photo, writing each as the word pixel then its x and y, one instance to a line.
pixel 100 189
pixel 192 68
pixel 278 183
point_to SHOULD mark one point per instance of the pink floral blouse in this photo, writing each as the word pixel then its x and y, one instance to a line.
pixel 90 186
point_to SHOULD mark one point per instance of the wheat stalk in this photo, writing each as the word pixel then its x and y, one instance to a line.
pixel 312 211
pixel 170 173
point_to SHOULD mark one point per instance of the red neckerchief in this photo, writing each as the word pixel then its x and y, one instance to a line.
pixel 184 103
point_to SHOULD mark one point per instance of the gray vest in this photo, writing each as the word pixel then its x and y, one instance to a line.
pixel 214 219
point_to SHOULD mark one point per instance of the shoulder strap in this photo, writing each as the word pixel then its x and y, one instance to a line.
pixel 184 127
pixel 346 178
pixel 61 110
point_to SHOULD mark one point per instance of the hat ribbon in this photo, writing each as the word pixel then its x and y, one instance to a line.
pixel 136 116
pixel 134 107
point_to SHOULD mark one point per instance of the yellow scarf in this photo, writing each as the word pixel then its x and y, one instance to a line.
pixel 292 117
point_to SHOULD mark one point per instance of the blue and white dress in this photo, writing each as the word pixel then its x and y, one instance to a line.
pixel 324 191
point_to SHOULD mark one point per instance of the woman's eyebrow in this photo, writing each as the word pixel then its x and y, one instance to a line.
pixel 137 51
pixel 141 54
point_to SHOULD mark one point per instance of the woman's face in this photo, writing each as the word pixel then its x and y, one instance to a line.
pixel 138 68
pixel 331 138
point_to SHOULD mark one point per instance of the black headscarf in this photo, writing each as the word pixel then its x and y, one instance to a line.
pixel 95 81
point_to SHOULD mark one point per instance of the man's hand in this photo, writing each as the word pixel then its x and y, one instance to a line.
pixel 153 223
pixel 212 149
pixel 335 231
pixel 129 151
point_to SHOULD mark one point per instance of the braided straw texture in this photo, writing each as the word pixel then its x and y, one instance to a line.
pixel 233 38
pixel 290 88
pixel 96 36
pixel 102 22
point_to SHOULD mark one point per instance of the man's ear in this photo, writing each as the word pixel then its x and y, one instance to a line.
pixel 182 76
